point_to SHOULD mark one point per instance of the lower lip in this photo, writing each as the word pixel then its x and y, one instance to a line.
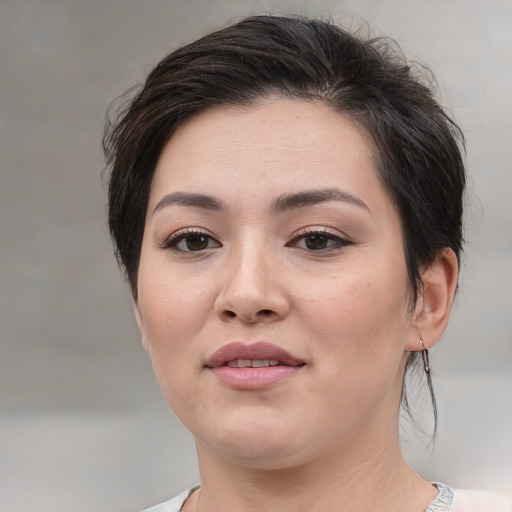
pixel 254 378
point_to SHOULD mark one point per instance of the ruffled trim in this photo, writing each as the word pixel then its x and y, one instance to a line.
pixel 443 499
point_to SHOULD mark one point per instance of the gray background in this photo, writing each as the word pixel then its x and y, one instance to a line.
pixel 82 424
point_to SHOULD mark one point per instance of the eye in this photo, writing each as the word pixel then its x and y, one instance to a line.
pixel 318 240
pixel 190 241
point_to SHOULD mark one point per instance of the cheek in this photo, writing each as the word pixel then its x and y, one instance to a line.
pixel 361 329
pixel 362 317
pixel 174 307
pixel 170 327
pixel 173 311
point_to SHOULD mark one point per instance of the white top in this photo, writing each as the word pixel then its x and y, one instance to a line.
pixel 446 500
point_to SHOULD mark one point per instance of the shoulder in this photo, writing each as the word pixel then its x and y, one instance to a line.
pixel 479 501
pixel 173 505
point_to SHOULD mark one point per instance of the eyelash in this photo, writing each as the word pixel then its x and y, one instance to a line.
pixel 172 243
pixel 305 233
pixel 174 240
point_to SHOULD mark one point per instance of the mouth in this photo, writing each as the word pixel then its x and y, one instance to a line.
pixel 253 363
pixel 253 367
pixel 255 355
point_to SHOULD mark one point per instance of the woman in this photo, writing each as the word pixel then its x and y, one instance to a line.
pixel 286 200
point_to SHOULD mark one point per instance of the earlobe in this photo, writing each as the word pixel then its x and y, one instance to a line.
pixel 435 302
pixel 140 323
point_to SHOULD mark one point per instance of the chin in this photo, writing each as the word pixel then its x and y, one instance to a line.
pixel 260 445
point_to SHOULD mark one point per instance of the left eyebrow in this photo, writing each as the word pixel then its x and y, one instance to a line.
pixel 186 199
pixel 311 197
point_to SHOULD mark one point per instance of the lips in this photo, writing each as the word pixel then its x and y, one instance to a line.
pixel 257 366
pixel 253 355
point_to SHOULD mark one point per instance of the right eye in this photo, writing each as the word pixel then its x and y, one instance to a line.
pixel 190 241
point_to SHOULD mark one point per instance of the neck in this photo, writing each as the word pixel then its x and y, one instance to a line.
pixel 368 477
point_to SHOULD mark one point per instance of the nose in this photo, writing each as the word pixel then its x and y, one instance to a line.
pixel 251 289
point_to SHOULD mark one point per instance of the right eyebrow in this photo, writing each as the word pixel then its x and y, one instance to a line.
pixel 311 197
pixel 188 199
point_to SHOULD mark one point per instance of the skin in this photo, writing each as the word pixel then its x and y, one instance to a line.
pixel 328 434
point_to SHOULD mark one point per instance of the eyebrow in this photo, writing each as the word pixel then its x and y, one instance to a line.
pixel 186 199
pixel 311 197
pixel 282 203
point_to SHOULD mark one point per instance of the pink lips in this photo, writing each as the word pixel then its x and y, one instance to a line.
pixel 282 366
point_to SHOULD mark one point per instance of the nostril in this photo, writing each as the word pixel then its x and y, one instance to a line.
pixel 266 312
pixel 230 314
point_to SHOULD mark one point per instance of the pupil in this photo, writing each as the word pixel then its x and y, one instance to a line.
pixel 197 242
pixel 316 242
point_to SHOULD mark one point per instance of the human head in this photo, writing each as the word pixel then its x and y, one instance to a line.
pixel 416 145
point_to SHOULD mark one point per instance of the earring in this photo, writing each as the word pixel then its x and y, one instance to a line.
pixel 424 356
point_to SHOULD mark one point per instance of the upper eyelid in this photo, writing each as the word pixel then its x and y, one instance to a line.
pixel 189 231
pixel 319 230
pixel 180 234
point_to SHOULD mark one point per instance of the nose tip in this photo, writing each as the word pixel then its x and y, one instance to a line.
pixel 249 315
pixel 251 284
pixel 250 294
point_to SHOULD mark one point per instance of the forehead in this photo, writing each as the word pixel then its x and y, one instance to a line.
pixel 276 142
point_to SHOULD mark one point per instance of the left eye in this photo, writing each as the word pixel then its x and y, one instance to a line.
pixel 317 241
pixel 191 241
pixel 194 243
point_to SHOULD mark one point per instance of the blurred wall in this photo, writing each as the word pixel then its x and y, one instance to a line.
pixel 82 424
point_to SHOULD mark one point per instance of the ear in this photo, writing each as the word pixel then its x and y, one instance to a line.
pixel 434 304
pixel 140 323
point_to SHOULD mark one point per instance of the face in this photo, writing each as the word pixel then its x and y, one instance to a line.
pixel 273 295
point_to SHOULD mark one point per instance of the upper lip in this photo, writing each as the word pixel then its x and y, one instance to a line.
pixel 260 350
